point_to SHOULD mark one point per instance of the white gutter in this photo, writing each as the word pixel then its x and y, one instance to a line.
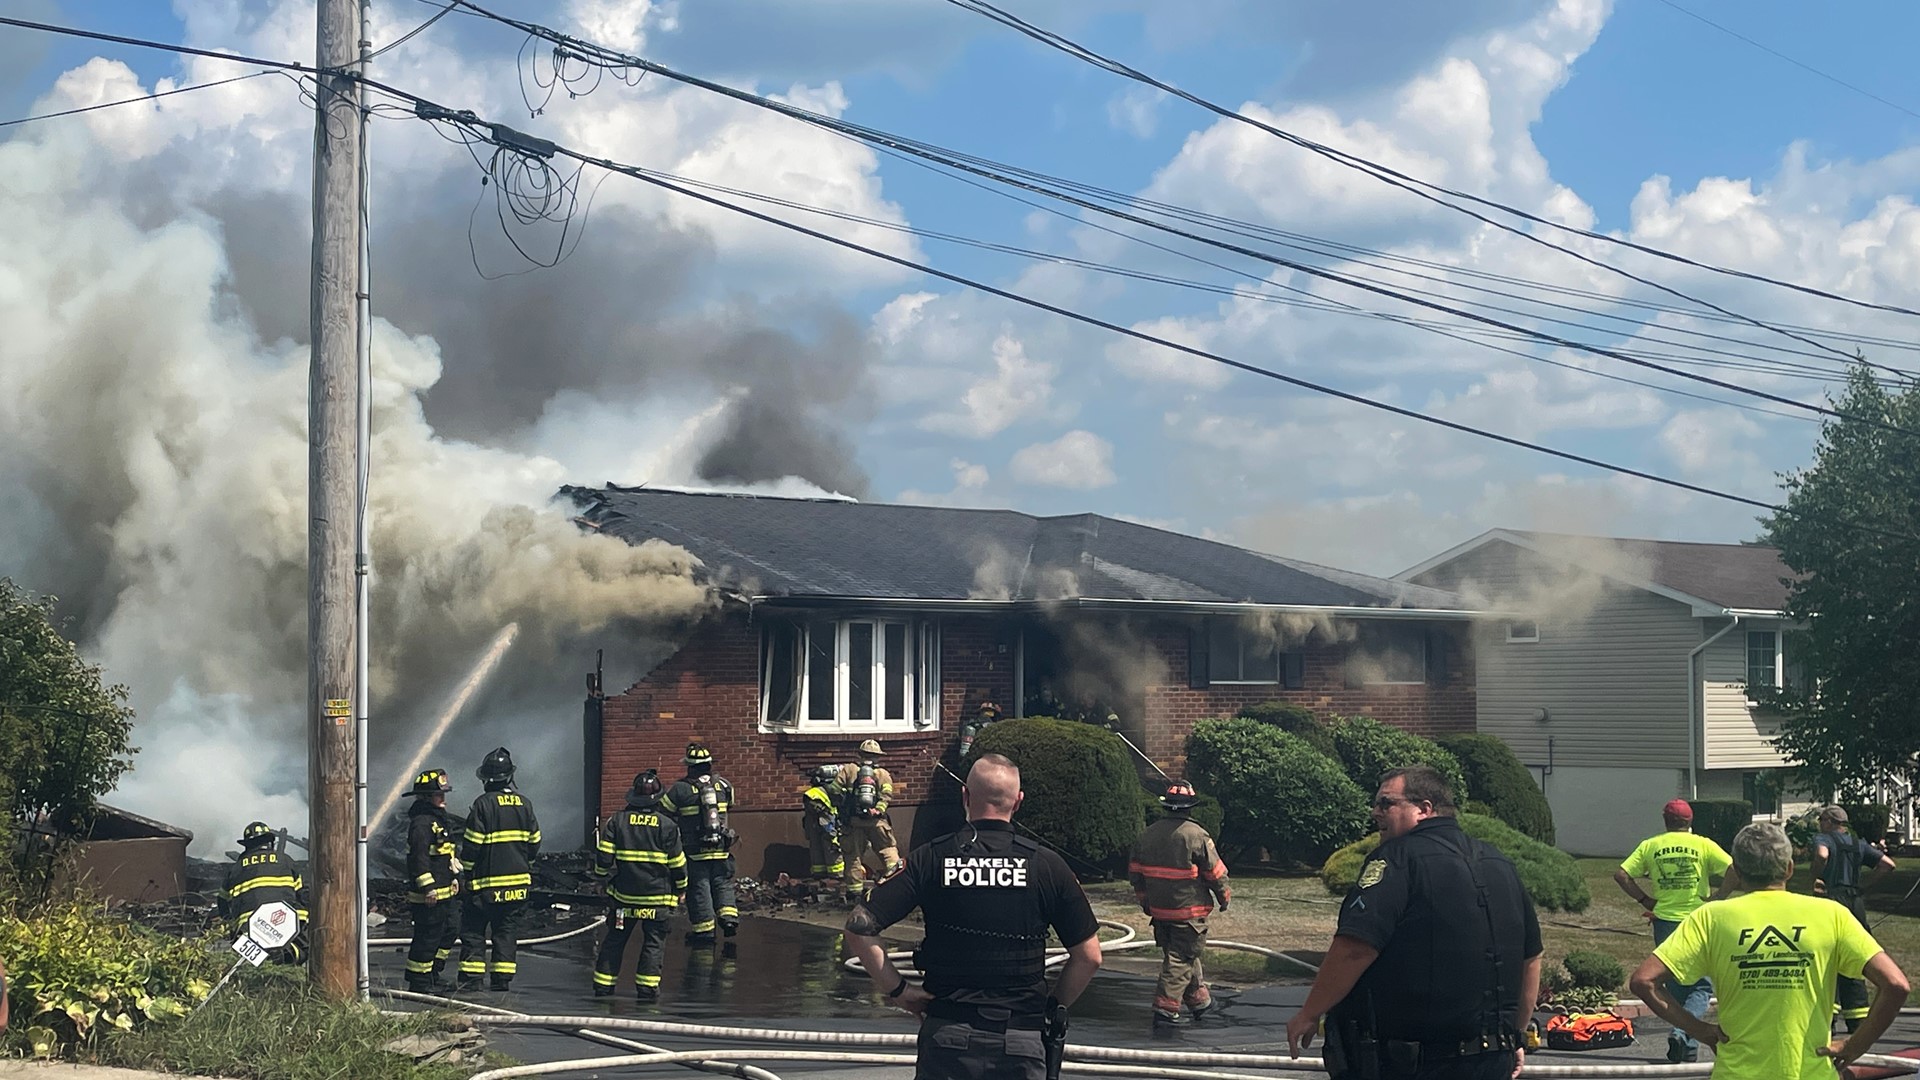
pixel 1697 691
pixel 1193 607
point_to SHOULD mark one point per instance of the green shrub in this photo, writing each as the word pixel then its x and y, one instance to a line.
pixel 1869 820
pixel 1369 748
pixel 1294 720
pixel 1278 791
pixel 1496 778
pixel 1082 794
pixel 1586 999
pixel 1207 813
pixel 74 971
pixel 1597 970
pixel 1549 875
pixel 1719 819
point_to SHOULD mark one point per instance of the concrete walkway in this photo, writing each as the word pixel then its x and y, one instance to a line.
pixel 34 1070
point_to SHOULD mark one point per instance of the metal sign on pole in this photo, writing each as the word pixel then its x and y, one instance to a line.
pixel 270 927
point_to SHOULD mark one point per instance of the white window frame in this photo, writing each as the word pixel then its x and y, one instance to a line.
pixel 1515 636
pixel 921 689
pixel 1240 639
pixel 1779 659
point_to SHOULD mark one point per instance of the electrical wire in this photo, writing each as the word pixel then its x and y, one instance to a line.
pixel 1777 54
pixel 155 96
pixel 1423 188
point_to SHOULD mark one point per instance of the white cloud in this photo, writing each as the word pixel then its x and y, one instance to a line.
pixel 1020 388
pixel 969 487
pixel 1137 110
pixel 1078 459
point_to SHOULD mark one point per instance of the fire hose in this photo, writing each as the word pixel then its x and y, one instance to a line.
pixel 903 958
pixel 593 924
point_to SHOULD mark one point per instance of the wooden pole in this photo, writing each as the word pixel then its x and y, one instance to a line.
pixel 333 427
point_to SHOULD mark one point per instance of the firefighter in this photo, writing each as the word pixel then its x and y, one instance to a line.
pixel 639 852
pixel 867 788
pixel 699 801
pixel 1177 876
pixel 501 838
pixel 820 820
pixel 433 873
pixel 261 876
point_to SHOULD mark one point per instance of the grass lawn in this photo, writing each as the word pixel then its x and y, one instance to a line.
pixel 1295 913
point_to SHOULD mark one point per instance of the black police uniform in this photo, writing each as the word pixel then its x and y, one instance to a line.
pixel 989 897
pixel 1454 928
pixel 430 877
pixel 498 847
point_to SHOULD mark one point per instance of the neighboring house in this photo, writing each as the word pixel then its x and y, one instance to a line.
pixel 1621 678
pixel 126 857
pixel 840 621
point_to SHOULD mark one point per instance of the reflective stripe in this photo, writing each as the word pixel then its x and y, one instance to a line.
pixel 1219 871
pixel 503 881
pixel 727 912
pixel 262 882
pixel 635 855
pixel 441 954
pixel 473 967
pixel 499 967
pixel 424 880
pixel 1198 911
pixel 707 856
pixel 504 836
pixel 420 967
pixel 656 900
pixel 646 980
pixel 703 927
pixel 1165 873
pixel 601 978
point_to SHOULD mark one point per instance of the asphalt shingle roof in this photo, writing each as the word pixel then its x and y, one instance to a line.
pixel 768 546
pixel 1749 576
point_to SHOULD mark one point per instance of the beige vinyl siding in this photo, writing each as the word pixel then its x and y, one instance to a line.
pixel 1610 667
pixel 1736 736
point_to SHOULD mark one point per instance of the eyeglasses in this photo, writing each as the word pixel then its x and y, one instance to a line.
pixel 1388 802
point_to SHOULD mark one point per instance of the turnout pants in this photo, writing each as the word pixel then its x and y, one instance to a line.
pixel 435 929
pixel 710 894
pixel 1851 994
pixel 861 835
pixel 957 1050
pixel 477 917
pixel 823 850
pixel 1692 996
pixel 1182 978
pixel 652 924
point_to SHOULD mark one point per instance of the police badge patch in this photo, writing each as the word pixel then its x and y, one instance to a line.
pixel 1371 873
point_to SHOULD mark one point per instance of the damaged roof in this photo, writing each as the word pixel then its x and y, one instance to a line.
pixel 772 547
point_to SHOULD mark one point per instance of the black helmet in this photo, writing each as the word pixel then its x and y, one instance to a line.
pixel 256 834
pixel 496 767
pixel 697 754
pixel 432 782
pixel 1180 796
pixel 646 789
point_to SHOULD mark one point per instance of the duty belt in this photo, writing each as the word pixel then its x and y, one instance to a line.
pixel 1434 1050
pixel 984 1017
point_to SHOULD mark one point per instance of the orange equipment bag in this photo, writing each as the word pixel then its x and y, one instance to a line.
pixel 1588 1031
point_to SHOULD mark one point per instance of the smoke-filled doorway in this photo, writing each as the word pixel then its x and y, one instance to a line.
pixel 1096 671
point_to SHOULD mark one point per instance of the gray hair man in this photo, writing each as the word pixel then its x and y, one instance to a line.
pixel 1773 957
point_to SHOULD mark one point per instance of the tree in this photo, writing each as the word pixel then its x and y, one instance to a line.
pixel 1851 531
pixel 63 735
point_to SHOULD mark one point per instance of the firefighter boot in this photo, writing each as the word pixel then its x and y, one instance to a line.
pixel 646 995
pixel 602 991
pixel 729 927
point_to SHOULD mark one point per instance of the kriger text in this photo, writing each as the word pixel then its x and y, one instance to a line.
pixel 984 871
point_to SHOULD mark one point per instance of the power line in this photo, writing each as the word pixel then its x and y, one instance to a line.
pixel 155 96
pixel 1423 188
pixel 1776 53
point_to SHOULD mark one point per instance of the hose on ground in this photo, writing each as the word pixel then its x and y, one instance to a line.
pixel 592 924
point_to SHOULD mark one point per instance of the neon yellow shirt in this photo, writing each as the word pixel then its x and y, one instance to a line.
pixel 1680 865
pixel 1772 956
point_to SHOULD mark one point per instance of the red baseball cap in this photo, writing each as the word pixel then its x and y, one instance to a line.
pixel 1679 808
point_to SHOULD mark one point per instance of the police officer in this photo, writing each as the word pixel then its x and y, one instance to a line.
pixel 1177 877
pixel 865 825
pixel 639 850
pixel 433 873
pixel 820 820
pixel 502 836
pixel 262 876
pixel 988 897
pixel 1435 964
pixel 699 802
pixel 1838 858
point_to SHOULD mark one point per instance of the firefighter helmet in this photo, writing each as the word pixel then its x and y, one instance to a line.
pixel 697 754
pixel 1180 796
pixel 871 748
pixel 496 766
pixel 432 782
pixel 646 789
pixel 256 833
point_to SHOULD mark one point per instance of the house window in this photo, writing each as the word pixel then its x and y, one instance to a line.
pixel 1763 659
pixel 1523 630
pixel 1237 656
pixel 1760 790
pixel 853 674
pixel 1389 656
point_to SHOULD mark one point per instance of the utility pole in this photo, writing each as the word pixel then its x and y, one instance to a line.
pixel 332 520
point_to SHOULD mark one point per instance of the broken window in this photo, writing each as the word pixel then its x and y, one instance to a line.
pixel 859 674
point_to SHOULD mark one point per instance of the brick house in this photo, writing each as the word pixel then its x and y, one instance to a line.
pixel 841 621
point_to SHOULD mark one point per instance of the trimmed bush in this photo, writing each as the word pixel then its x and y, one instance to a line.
pixel 1294 720
pixel 1869 820
pixel 1277 790
pixel 1497 779
pixel 1589 968
pixel 1719 819
pixel 1549 875
pixel 1082 794
pixel 1369 748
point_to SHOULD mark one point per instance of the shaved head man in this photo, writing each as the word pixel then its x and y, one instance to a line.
pixel 991 898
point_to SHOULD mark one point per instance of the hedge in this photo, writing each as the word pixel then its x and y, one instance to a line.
pixel 1207 812
pixel 1496 779
pixel 1278 792
pixel 1082 795
pixel 1549 875
pixel 1294 720
pixel 1369 748
pixel 1719 819
pixel 1594 969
